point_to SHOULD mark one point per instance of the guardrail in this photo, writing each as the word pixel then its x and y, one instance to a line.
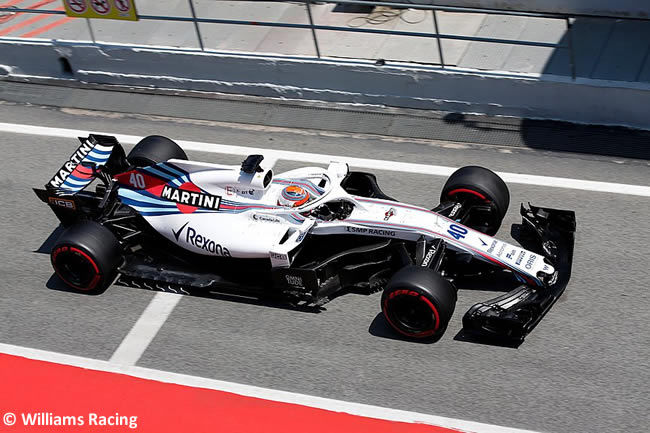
pixel 436 34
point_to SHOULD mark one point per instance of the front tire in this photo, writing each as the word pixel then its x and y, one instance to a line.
pixel 418 303
pixel 485 191
pixel 86 256
pixel 153 150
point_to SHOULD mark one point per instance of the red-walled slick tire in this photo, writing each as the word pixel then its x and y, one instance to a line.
pixel 418 303
pixel 479 186
pixel 86 256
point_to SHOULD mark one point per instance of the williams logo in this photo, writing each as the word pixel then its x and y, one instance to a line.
pixel 191 198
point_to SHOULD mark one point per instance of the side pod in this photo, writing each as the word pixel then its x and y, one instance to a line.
pixel 510 317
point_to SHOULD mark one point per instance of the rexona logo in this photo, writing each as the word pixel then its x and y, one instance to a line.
pixel 199 241
pixel 455 209
pixel 429 256
pixel 191 198
pixel 70 165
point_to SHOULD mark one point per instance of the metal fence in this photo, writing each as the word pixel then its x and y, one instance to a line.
pixel 313 27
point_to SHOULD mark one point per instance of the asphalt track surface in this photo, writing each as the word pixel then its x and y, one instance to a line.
pixel 584 368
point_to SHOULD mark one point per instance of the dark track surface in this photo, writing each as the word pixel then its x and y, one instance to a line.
pixel 585 368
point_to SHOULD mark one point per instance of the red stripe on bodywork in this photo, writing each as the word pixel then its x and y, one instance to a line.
pixel 81 174
pixel 152 184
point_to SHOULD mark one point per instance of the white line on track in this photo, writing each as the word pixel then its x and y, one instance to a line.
pixel 145 329
pixel 257 392
pixel 317 158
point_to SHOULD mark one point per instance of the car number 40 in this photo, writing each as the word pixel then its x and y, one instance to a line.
pixel 137 180
pixel 457 232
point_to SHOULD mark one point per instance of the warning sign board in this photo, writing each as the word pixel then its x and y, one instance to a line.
pixel 111 9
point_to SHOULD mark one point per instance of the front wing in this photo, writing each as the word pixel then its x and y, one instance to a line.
pixel 512 316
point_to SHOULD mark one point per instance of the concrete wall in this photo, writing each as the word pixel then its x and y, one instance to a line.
pixel 614 8
pixel 353 82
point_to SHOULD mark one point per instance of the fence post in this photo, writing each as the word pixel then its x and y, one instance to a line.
pixel 90 30
pixel 311 24
pixel 196 25
pixel 435 25
pixel 572 60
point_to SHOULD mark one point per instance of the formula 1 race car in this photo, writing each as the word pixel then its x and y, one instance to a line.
pixel 158 221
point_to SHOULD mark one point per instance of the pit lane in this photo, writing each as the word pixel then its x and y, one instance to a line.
pixel 579 370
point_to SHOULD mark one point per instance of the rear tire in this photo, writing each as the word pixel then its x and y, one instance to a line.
pixel 153 150
pixel 418 303
pixel 475 185
pixel 86 256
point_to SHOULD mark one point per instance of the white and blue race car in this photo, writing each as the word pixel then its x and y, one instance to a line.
pixel 158 221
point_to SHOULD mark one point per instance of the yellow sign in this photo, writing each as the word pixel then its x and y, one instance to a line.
pixel 110 9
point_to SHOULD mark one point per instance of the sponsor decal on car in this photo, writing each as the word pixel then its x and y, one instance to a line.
pixel 278 256
pixel 520 258
pixel 294 280
pixel 455 209
pixel 530 261
pixel 62 202
pixel 266 218
pixel 376 232
pixel 429 256
pixel 71 164
pixel 492 246
pixel 200 241
pixel 191 198
pixel 389 214
pixel 301 236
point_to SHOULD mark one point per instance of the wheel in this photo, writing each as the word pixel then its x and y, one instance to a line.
pixel 86 256
pixel 418 303
pixel 154 149
pixel 479 186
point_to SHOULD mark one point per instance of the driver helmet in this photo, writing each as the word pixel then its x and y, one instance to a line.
pixel 293 196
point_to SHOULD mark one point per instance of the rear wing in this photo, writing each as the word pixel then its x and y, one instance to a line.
pixel 80 169
pixel 99 156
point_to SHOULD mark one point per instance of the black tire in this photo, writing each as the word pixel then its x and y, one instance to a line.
pixel 418 303
pixel 86 256
pixel 155 149
pixel 478 185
